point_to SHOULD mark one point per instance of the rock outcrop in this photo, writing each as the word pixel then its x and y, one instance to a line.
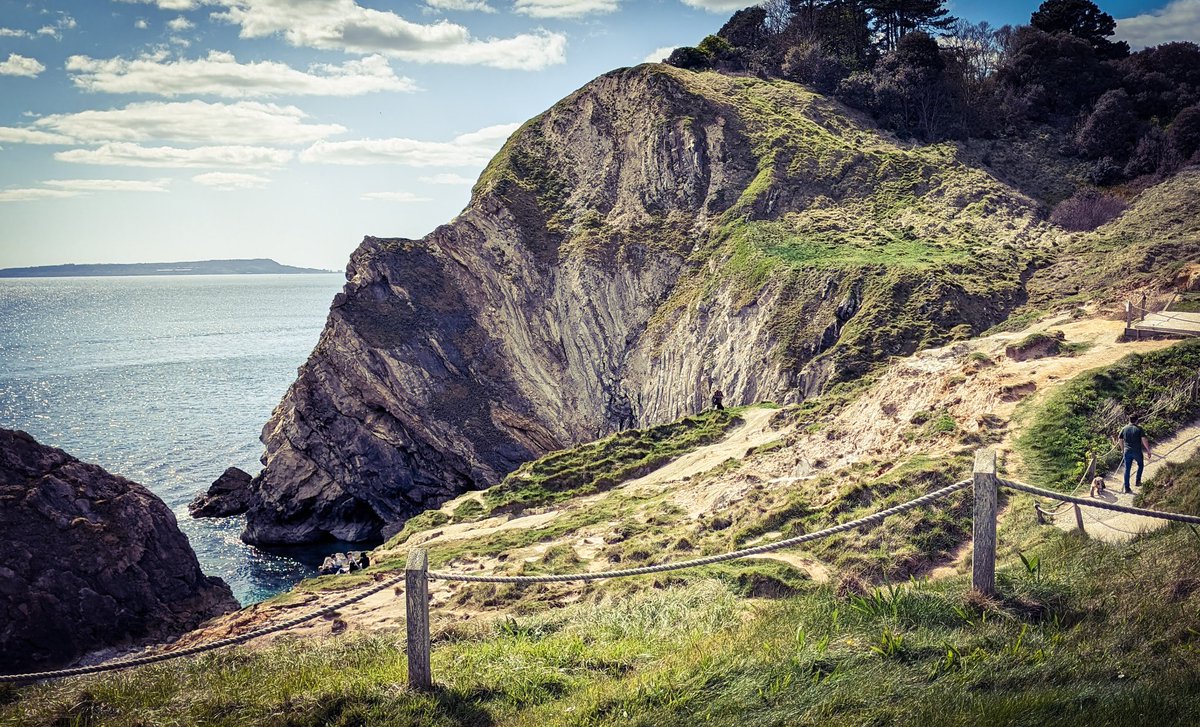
pixel 656 235
pixel 90 560
pixel 228 495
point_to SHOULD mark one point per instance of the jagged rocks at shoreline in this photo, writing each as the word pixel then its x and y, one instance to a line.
pixel 228 495
pixel 90 560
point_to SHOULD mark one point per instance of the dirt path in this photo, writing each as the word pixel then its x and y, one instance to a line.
pixel 1119 527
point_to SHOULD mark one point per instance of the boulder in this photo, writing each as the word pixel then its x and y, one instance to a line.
pixel 90 560
pixel 228 495
pixel 344 563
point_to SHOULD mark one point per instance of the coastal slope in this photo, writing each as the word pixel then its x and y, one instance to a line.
pixel 654 236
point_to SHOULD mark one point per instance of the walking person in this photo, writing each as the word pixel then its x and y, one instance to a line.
pixel 1132 439
pixel 718 400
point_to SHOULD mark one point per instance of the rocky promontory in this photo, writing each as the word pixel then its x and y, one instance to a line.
pixel 90 560
pixel 654 236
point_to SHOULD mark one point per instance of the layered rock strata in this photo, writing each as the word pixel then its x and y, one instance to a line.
pixel 91 560
pixel 656 235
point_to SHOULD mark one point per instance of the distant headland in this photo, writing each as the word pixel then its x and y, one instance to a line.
pixel 258 266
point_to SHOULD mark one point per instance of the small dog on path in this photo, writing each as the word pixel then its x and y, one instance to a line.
pixel 1097 487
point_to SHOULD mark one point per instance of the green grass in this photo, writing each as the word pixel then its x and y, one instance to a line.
pixel 1098 635
pixel 1084 415
pixel 604 464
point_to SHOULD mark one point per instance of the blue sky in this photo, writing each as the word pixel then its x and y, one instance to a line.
pixel 162 130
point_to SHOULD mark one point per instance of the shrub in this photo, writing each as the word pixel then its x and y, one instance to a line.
pixel 1087 210
pixel 1111 128
pixel 688 58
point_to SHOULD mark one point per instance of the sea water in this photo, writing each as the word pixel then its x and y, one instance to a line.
pixel 165 380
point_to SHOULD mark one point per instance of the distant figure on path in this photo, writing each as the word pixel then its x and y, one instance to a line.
pixel 718 400
pixel 1133 440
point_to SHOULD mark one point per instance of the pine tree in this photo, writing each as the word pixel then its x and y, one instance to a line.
pixel 893 19
pixel 1082 19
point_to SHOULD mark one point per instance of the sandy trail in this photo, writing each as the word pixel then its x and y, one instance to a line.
pixel 1119 527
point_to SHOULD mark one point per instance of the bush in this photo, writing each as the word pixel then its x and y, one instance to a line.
pixel 689 58
pixel 1086 211
pixel 1183 136
pixel 1111 128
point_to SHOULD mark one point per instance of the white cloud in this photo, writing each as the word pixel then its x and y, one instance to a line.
pixel 446 178
pixel 220 74
pixel 180 24
pixel 1179 20
pixel 181 42
pixel 658 54
pixel 109 185
pixel 243 123
pixel 347 26
pixel 141 24
pixel 17 135
pixel 474 149
pixel 64 22
pixel 171 4
pixel 13 33
pixel 61 188
pixel 31 194
pixel 21 66
pixel 476 5
pixel 404 197
pixel 133 155
pixel 718 6
pixel 564 8
pixel 231 181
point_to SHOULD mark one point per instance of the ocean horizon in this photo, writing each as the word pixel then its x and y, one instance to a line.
pixel 166 380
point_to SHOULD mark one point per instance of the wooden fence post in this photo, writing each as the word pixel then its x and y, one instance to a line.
pixel 983 562
pixel 1079 520
pixel 416 597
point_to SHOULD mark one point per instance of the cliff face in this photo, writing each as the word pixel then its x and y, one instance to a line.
pixel 655 235
pixel 91 560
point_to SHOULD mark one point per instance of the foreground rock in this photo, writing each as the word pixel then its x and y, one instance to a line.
pixel 90 560
pixel 228 495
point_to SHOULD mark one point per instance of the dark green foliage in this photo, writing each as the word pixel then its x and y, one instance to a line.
pixel 894 19
pixel 1183 135
pixel 1164 79
pixel 1111 128
pixel 1082 19
pixel 1052 74
pixel 1085 414
pixel 689 58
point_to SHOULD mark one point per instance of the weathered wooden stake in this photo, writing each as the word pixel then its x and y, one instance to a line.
pixel 1079 520
pixel 983 563
pixel 416 596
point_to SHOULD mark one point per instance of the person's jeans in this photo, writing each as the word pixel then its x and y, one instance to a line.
pixel 1130 457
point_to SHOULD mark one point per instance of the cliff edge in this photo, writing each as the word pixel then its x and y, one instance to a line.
pixel 655 235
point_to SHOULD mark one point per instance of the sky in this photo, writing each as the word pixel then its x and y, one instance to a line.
pixel 170 130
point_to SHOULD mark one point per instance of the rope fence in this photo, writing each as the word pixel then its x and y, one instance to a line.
pixel 200 649
pixel 709 560
pixel 417 575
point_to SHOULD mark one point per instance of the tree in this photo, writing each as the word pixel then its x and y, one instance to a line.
pixel 746 29
pixel 1163 80
pixel 1082 19
pixel 907 91
pixel 1183 135
pixel 1111 128
pixel 1052 74
pixel 894 19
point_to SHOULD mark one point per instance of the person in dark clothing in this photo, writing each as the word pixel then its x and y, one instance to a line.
pixel 718 400
pixel 1132 439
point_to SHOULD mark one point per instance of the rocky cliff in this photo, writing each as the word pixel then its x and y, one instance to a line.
pixel 655 235
pixel 91 560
